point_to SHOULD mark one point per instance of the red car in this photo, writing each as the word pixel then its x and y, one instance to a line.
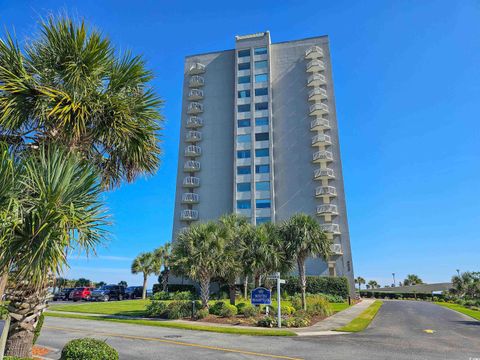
pixel 81 293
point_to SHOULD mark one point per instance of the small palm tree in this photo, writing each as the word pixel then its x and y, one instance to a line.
pixel 359 280
pixel 163 254
pixel 372 284
pixel 145 264
pixel 198 253
pixel 412 279
pixel 304 238
pixel 59 211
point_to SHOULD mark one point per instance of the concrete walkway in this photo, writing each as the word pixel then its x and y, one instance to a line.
pixel 342 318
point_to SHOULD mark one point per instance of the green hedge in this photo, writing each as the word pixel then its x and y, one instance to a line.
pixel 319 284
pixel 391 295
pixel 88 349
pixel 175 288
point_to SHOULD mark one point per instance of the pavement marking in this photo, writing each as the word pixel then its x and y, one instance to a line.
pixel 182 343
pixel 429 331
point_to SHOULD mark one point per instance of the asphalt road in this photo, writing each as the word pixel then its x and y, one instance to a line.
pixel 397 332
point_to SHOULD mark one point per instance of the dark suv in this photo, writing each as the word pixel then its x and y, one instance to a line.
pixel 133 292
pixel 62 294
pixel 108 292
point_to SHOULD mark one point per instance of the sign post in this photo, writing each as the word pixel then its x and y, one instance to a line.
pixel 276 276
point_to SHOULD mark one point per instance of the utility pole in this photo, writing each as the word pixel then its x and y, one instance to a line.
pixel 394 284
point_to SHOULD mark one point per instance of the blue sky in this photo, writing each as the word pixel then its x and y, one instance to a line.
pixel 407 82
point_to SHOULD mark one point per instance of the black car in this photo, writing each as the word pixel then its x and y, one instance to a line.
pixel 63 294
pixel 133 292
pixel 108 292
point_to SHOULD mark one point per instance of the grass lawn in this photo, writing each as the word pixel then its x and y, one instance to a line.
pixel 364 319
pixel 120 308
pixel 337 307
pixel 462 309
pixel 179 325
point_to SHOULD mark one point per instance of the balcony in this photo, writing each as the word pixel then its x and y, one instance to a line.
pixel 324 174
pixel 328 191
pixel 336 249
pixel 196 81
pixel 317 109
pixel 319 124
pixel 321 140
pixel 195 94
pixel 189 215
pixel 190 198
pixel 194 122
pixel 327 209
pixel 191 166
pixel 195 108
pixel 322 156
pixel 315 65
pixel 193 150
pixel 193 136
pixel 314 52
pixel 331 228
pixel 317 94
pixel 316 80
pixel 191 182
pixel 196 69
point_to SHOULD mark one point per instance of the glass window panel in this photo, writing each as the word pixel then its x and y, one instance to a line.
pixel 262 186
pixel 262 220
pixel 261 121
pixel 261 137
pixel 244 53
pixel 260 51
pixel 262 203
pixel 245 138
pixel 244 79
pixel 244 66
pixel 243 170
pixel 262 169
pixel 261 91
pixel 243 94
pixel 261 106
pixel 261 78
pixel 244 123
pixel 243 187
pixel 261 64
pixel 262 152
pixel 244 204
pixel 243 154
pixel 243 108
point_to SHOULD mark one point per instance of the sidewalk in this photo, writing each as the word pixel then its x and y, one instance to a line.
pixel 327 326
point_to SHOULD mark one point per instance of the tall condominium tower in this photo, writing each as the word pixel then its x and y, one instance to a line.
pixel 259 138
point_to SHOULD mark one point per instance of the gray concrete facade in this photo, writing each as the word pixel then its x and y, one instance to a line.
pixel 267 142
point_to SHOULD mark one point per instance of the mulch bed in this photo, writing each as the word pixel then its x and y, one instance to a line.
pixel 243 321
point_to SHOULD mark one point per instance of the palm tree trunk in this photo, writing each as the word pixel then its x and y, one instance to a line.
pixel 245 286
pixel 3 284
pixel 257 280
pixel 144 293
pixel 205 290
pixel 26 305
pixel 303 281
pixel 231 291
pixel 165 279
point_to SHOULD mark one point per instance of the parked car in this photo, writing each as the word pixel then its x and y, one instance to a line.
pixel 62 294
pixel 133 292
pixel 82 293
pixel 108 292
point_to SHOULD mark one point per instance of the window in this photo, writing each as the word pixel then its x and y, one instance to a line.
pixel 262 169
pixel 243 154
pixel 244 53
pixel 262 186
pixel 261 64
pixel 260 51
pixel 262 204
pixel 260 78
pixel 246 138
pixel 261 106
pixel 244 66
pixel 261 91
pixel 262 152
pixel 244 94
pixel 244 204
pixel 262 220
pixel 244 123
pixel 243 108
pixel 243 170
pixel 261 121
pixel 243 187
pixel 244 79
pixel 261 137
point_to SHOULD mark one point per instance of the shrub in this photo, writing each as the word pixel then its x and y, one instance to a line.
pixel 250 310
pixel 91 349
pixel 216 308
pixel 300 319
pixel 161 295
pixel 318 306
pixel 179 309
pixel 202 313
pixel 181 295
pixel 14 358
pixel 38 328
pixel 285 309
pixel 267 321
pixel 228 310
pixel 3 312
pixel 319 284
pixel 240 307
pixel 156 309
pixel 175 288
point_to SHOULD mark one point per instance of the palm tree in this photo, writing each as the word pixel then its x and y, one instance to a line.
pixel 412 279
pixel 198 253
pixel 60 211
pixel 123 283
pixel 304 238
pixel 163 255
pixel 359 280
pixel 146 264
pixel 372 284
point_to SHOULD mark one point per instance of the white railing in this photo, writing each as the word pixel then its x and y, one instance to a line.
pixel 193 150
pixel 323 155
pixel 191 165
pixel 325 191
pixel 190 198
pixel 194 122
pixel 316 63
pixel 189 215
pixel 196 68
pixel 319 107
pixel 196 80
pixel 328 209
pixel 317 79
pixel 324 173
pixel 314 51
pixel 195 108
pixel 322 139
pixel 320 123
pixel 195 94
pixel 191 181
pixel 193 135
pixel 336 249
pixel 331 228
pixel 318 91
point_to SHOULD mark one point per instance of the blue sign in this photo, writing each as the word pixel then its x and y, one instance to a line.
pixel 261 296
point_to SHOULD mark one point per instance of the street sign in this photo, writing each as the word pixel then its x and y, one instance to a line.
pixel 282 281
pixel 261 296
pixel 274 276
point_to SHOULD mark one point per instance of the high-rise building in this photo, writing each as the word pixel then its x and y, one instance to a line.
pixel 259 138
